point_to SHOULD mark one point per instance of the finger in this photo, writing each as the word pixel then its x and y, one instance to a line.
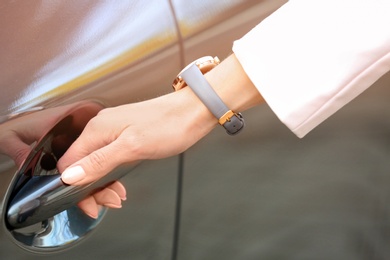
pixel 108 198
pixel 83 146
pixel 90 207
pixel 92 138
pixel 119 189
pixel 95 165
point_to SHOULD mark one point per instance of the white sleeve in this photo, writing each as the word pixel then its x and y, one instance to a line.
pixel 310 58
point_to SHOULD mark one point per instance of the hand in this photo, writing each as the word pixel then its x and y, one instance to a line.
pixel 153 129
pixel 18 135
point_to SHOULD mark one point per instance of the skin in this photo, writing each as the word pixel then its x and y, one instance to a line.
pixel 154 129
pixel 17 135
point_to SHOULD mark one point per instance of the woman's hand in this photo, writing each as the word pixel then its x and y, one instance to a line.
pixel 153 129
pixel 18 135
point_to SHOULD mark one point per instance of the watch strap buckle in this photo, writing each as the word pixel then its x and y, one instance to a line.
pixel 232 122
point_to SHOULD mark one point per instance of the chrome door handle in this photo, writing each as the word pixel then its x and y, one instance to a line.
pixel 44 196
pixel 41 210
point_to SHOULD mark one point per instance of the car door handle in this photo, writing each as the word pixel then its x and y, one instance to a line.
pixel 38 197
pixel 44 196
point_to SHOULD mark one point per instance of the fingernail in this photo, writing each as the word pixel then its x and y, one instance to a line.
pixel 73 175
pixel 92 212
pixel 113 206
pixel 92 215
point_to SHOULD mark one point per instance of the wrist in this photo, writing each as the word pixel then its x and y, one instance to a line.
pixel 196 120
pixel 233 85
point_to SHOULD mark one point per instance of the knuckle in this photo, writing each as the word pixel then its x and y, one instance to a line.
pixel 135 147
pixel 92 124
pixel 104 111
pixel 97 161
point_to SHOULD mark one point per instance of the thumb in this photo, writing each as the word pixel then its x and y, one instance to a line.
pixel 94 166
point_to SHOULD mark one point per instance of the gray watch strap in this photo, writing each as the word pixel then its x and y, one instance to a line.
pixel 199 85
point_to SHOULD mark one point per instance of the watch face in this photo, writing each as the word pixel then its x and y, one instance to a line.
pixel 205 64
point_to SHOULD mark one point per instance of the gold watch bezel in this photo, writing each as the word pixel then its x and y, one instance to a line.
pixel 205 64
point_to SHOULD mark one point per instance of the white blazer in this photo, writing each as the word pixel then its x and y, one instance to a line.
pixel 310 58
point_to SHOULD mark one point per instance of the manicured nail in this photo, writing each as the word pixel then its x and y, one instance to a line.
pixel 73 175
pixel 113 206
pixel 92 215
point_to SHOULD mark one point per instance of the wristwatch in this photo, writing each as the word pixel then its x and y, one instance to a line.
pixel 193 76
